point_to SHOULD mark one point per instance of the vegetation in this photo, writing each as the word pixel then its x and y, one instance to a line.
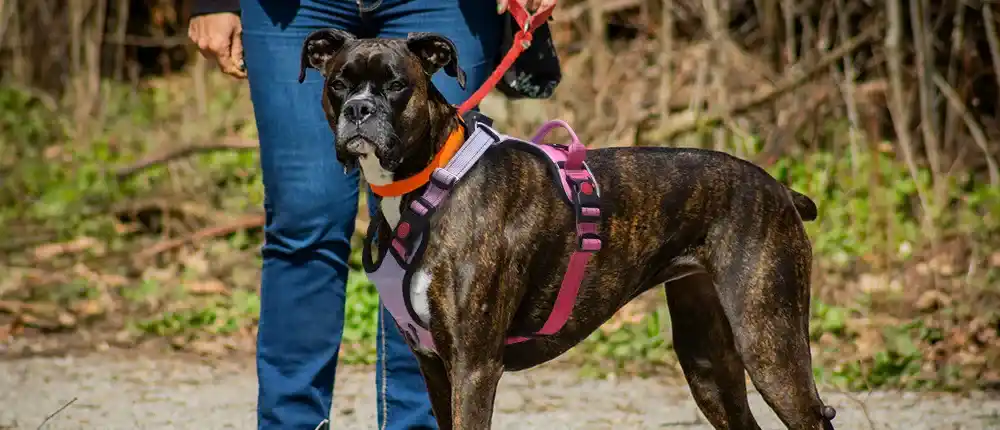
pixel 130 193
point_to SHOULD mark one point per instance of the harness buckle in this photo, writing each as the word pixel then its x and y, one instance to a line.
pixel 589 242
pixel 443 179
pixel 413 223
pixel 586 202
pixel 587 210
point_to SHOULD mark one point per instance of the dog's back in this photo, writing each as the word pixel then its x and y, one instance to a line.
pixel 666 210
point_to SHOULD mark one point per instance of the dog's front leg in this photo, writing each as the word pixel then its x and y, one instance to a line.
pixel 475 373
pixel 473 343
pixel 438 386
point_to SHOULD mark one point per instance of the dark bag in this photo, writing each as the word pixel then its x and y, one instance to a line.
pixel 536 73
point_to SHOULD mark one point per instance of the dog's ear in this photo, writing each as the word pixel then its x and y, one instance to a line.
pixel 436 52
pixel 321 46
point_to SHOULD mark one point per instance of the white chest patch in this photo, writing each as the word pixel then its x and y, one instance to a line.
pixel 373 171
pixel 420 284
pixel 376 175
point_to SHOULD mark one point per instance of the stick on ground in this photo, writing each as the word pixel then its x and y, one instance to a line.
pixel 56 413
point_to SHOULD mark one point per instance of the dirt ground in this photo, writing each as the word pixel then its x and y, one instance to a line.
pixel 129 391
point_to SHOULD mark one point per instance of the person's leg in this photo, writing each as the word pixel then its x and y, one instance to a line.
pixel 310 206
pixel 474 27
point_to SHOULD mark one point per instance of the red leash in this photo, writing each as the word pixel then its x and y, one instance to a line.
pixel 527 24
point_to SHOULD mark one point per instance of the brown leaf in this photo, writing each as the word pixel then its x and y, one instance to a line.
pixel 114 280
pixel 178 342
pixel 870 283
pixel 210 286
pixel 995 259
pixel 869 342
pixel 207 348
pixel 88 308
pixel 10 307
pixel 51 250
pixel 66 320
pixel 195 262
pixel 32 321
pixel 932 299
pixel 52 151
pixel 44 310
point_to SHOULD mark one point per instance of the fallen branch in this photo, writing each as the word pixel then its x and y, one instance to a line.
pixel 171 204
pixel 233 143
pixel 244 223
pixel 247 222
pixel 686 122
pixel 56 413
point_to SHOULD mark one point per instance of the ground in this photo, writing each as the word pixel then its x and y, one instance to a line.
pixel 115 390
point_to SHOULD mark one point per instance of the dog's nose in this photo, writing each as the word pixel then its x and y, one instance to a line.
pixel 357 111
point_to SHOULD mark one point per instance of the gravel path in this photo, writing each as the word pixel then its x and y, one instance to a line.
pixel 117 392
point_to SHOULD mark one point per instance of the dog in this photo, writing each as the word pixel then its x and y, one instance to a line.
pixel 724 238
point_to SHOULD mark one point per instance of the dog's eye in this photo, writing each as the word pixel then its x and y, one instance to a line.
pixel 397 86
pixel 338 85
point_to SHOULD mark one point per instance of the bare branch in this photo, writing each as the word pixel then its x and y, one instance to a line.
pixel 173 154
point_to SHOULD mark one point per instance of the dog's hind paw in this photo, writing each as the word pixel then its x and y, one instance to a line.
pixel 829 413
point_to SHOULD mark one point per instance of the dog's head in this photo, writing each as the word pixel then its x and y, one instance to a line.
pixel 377 93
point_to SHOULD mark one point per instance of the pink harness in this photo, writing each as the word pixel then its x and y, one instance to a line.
pixel 392 276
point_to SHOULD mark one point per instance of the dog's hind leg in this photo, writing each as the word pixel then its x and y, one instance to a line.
pixel 704 344
pixel 768 303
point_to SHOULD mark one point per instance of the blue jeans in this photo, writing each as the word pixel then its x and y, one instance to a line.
pixel 311 203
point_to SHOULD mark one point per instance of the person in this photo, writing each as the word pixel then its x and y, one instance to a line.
pixel 310 201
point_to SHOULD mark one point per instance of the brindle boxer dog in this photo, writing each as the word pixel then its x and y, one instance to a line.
pixel 724 237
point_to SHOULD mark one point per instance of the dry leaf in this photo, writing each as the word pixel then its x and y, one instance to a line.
pixel 10 307
pixel 66 320
pixel 995 259
pixel 207 347
pixel 870 283
pixel 88 308
pixel 931 300
pixel 51 250
pixel 52 151
pixel 113 280
pixel 211 286
pixel 869 342
pixel 195 262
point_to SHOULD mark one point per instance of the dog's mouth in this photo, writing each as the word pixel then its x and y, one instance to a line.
pixel 368 151
pixel 358 146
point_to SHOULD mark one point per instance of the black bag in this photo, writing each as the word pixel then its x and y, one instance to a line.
pixel 536 73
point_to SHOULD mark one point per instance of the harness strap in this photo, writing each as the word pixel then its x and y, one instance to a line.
pixel 441 181
pixel 579 185
pixel 586 207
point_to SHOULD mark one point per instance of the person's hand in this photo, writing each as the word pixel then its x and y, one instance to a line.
pixel 219 37
pixel 531 6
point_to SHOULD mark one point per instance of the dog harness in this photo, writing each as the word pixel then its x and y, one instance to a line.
pixel 393 273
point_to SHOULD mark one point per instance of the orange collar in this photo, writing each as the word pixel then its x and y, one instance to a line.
pixel 404 186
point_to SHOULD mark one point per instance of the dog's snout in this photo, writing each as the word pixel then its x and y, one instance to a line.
pixel 358 110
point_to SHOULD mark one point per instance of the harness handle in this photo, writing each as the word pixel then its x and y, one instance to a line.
pixel 527 24
pixel 577 151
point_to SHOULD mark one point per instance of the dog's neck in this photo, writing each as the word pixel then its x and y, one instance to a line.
pixel 426 145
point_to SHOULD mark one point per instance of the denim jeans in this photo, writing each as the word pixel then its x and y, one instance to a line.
pixel 311 203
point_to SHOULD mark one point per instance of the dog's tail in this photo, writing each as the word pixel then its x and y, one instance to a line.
pixel 804 205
